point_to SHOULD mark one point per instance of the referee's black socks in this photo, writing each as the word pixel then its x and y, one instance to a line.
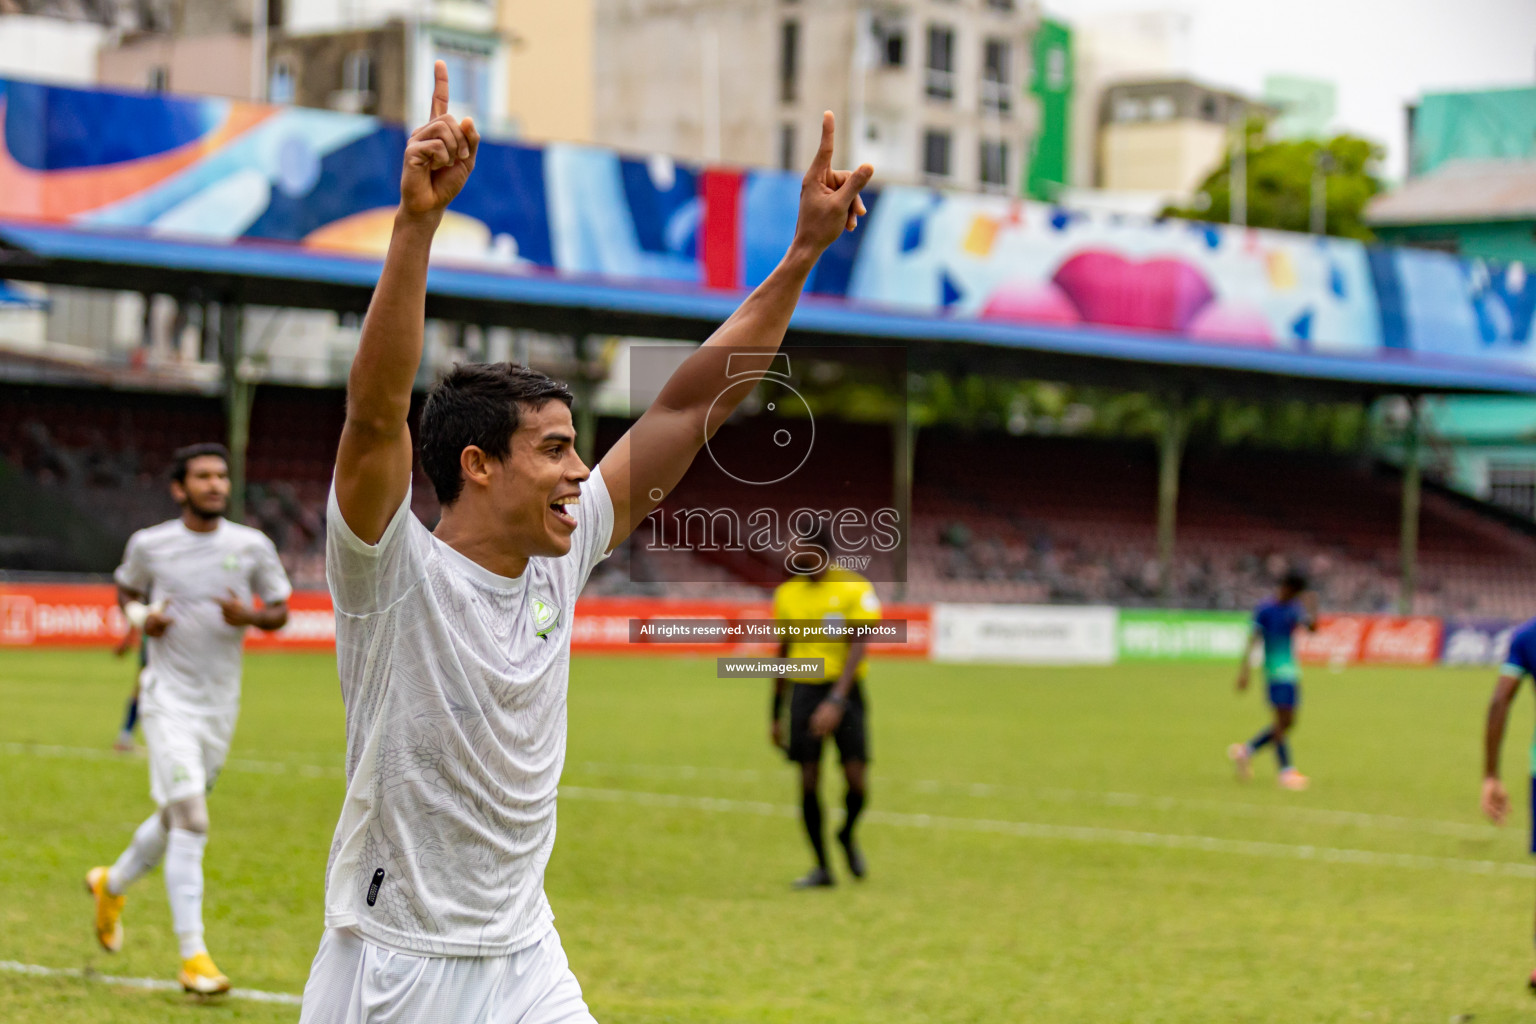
pixel 810 809
pixel 854 803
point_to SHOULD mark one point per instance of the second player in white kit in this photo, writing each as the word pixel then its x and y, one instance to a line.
pixel 189 584
pixel 453 646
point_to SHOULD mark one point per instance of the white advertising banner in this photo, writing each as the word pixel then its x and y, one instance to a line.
pixel 1026 634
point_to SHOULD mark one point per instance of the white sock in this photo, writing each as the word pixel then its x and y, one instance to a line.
pixel 143 853
pixel 184 885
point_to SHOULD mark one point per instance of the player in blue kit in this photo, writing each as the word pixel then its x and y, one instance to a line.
pixel 1274 627
pixel 1519 663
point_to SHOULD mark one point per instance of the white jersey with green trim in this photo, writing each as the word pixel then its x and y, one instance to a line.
pixel 454 680
pixel 195 665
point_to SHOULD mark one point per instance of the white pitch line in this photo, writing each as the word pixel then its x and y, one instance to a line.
pixel 155 984
pixel 239 764
pixel 1076 833
pixel 982 790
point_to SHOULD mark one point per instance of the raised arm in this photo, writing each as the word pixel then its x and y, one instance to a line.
pixel 373 464
pixel 653 456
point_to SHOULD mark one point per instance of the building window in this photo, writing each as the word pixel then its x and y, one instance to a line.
pixel 786 147
pixel 789 61
pixel 994 163
pixel 357 72
pixel 996 73
pixel 469 79
pixel 890 43
pixel 941 62
pixel 1129 108
pixel 280 88
pixel 1161 108
pixel 158 79
pixel 936 153
pixel 1000 5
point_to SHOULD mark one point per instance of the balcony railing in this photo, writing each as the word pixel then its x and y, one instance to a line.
pixel 996 97
pixel 940 84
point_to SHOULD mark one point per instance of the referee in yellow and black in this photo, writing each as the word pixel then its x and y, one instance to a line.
pixel 833 705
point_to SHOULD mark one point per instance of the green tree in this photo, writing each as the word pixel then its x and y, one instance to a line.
pixel 1280 175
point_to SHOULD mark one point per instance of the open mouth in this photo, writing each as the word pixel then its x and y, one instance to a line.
pixel 565 509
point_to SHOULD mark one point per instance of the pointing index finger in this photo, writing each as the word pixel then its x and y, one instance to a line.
pixel 823 161
pixel 440 89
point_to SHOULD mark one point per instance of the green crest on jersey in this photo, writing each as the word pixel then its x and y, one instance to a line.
pixel 231 562
pixel 545 616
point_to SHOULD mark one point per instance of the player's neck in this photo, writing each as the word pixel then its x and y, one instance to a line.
pixel 486 548
pixel 199 523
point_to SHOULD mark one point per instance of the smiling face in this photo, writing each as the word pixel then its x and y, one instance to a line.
pixel 532 492
pixel 205 490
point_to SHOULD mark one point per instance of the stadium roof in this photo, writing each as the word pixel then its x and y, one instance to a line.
pixel 1461 192
pixel 283 275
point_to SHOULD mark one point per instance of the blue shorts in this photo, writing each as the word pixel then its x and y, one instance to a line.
pixel 1284 695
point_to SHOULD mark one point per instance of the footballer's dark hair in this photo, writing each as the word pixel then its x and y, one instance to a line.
pixel 182 456
pixel 1294 581
pixel 477 404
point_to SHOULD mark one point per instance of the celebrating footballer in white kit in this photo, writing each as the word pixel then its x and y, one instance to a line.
pixel 453 646
pixel 188 584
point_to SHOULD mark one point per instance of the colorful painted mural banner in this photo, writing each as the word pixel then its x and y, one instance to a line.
pixel 231 172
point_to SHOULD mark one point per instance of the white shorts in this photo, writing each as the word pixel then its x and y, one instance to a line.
pixel 186 750
pixel 353 981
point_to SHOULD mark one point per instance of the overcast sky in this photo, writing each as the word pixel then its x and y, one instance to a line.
pixel 1379 54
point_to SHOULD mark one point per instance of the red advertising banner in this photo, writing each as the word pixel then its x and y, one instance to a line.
pixel 86 615
pixel 1372 640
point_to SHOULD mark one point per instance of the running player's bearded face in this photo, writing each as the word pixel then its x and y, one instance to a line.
pixel 205 491
pixel 535 489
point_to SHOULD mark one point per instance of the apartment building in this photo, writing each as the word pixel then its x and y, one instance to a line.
pixel 931 91
pixel 1167 135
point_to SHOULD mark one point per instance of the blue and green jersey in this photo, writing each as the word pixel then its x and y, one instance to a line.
pixel 1276 622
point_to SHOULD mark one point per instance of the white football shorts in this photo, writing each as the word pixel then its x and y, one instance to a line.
pixel 353 981
pixel 186 750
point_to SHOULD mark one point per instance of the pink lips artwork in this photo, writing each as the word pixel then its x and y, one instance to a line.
pixel 1101 287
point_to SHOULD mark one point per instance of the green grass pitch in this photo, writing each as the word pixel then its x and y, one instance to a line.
pixel 1045 845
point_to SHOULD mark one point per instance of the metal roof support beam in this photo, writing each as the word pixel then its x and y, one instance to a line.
pixel 1408 537
pixel 584 388
pixel 1170 455
pixel 239 394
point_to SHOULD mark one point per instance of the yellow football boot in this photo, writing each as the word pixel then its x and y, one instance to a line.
pixel 109 910
pixel 200 975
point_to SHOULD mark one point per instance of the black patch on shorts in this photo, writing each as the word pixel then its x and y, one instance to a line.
pixel 373 890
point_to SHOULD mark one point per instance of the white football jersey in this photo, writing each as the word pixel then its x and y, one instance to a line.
pixel 454 680
pixel 195 665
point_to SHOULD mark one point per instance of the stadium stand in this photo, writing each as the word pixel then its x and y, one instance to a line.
pixel 995 517
pixel 1065 519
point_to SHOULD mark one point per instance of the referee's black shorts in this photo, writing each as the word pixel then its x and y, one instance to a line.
pixel 852 734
